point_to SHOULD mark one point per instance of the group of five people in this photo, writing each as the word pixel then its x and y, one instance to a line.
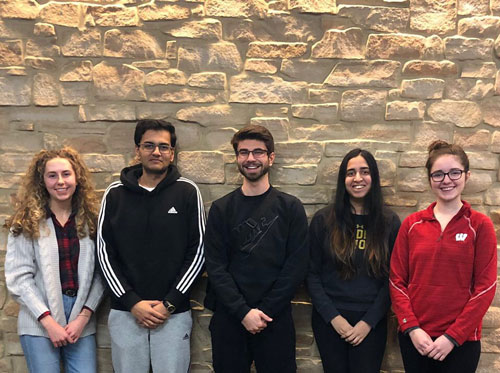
pixel 151 243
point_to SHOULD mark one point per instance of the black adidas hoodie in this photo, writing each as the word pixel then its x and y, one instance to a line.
pixel 150 244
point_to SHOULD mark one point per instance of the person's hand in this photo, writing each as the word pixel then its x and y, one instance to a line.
pixel 442 346
pixel 147 316
pixel 422 341
pixel 358 333
pixel 75 327
pixel 160 307
pixel 341 326
pixel 255 321
pixel 57 334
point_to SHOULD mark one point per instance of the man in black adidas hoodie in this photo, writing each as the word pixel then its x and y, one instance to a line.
pixel 257 255
pixel 150 249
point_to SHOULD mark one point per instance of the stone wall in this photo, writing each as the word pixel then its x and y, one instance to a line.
pixel 323 75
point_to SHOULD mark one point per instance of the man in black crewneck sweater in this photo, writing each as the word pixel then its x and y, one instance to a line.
pixel 256 251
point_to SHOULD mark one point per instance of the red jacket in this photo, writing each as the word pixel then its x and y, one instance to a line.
pixel 444 282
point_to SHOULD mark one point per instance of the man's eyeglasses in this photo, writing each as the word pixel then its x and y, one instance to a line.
pixel 151 147
pixel 453 174
pixel 257 153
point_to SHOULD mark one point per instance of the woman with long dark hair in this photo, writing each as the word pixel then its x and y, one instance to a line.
pixel 443 272
pixel 351 242
pixel 49 266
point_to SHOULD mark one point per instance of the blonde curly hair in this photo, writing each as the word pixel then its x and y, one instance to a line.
pixel 32 198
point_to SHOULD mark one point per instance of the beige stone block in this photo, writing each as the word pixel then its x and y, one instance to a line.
pixel 166 77
pixel 468 89
pixel 16 163
pixel 346 44
pixel 312 71
pixel 422 89
pixel 483 160
pixel 309 194
pixel 479 27
pixel 473 7
pixel 117 82
pixel 269 49
pixel 328 173
pixel 497 83
pixel 495 7
pixel 497 46
pixel 44 29
pixel 208 80
pixel 75 93
pixel 40 63
pixel 313 6
pixel 111 112
pixel 131 44
pixel 204 29
pixel 474 69
pixel 220 56
pixel 478 140
pixel 492 196
pixel 491 108
pixel 202 167
pixel 318 96
pixel 405 110
pixel 325 113
pixel 162 12
pixel 22 9
pixel 63 14
pixel 490 340
pixel 294 174
pixel 384 132
pixel 298 152
pixel 42 47
pixel 433 16
pixel 104 162
pixel 9 181
pixel 236 8
pixel 11 52
pixel 495 142
pixel 45 90
pixel 389 46
pixel 400 200
pixel 278 126
pixel 462 48
pixel 171 50
pixel 362 105
pixel 434 48
pixel 21 142
pixel 15 91
pixel 460 113
pixel 162 93
pixel 152 64
pixel 86 43
pixel 377 18
pixel 263 66
pixel 430 68
pixel 241 30
pixel 215 115
pixel 113 15
pixel 219 139
pixel 364 73
pixel 427 132
pixel 412 180
pixel 479 181
pixel 319 132
pixel 266 89
pixel 387 169
pixel 9 31
pixel 76 71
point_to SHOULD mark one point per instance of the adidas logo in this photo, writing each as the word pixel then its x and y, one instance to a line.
pixel 186 337
pixel 460 237
pixel 172 210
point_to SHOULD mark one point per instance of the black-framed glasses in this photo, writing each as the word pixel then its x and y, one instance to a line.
pixel 453 174
pixel 151 147
pixel 257 153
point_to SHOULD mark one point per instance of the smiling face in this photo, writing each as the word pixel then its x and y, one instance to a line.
pixel 60 180
pixel 358 180
pixel 155 162
pixel 251 167
pixel 448 190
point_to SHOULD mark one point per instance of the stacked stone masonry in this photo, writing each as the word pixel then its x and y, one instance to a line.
pixel 323 75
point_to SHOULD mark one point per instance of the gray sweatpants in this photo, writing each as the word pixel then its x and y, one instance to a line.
pixel 133 347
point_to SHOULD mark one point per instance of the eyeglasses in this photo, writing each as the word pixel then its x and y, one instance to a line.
pixel 257 153
pixel 453 174
pixel 151 147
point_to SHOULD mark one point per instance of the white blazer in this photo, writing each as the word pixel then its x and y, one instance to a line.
pixel 32 276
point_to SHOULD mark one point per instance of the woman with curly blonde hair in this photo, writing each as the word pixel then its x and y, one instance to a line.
pixel 49 266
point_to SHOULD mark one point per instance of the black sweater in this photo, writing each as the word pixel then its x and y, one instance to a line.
pixel 329 292
pixel 256 251
pixel 150 244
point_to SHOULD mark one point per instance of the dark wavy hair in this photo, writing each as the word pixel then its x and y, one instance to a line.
pixel 254 132
pixel 343 242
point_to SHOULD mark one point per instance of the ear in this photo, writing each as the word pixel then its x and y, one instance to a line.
pixel 467 176
pixel 136 151
pixel 271 158
pixel 172 155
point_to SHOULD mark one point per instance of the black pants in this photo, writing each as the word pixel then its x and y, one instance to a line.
pixel 462 359
pixel 339 356
pixel 234 348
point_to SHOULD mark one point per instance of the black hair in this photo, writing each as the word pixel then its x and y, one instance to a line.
pixel 156 125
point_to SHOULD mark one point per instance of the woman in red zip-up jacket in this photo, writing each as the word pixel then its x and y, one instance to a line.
pixel 443 272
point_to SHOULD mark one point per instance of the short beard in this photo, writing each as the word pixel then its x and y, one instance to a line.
pixel 254 177
pixel 154 171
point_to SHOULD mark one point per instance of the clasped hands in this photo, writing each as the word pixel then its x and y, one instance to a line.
pixel 437 350
pixel 255 321
pixel 150 314
pixel 351 334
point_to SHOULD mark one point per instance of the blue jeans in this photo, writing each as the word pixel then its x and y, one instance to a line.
pixel 42 357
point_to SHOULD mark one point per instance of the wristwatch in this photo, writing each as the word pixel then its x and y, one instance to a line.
pixel 169 306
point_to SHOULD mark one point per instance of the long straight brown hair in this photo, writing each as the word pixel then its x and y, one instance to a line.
pixel 343 240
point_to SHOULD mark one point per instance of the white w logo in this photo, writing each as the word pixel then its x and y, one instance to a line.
pixel 460 236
